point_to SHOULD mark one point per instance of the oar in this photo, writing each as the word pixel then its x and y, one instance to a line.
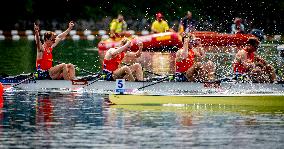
pixel 27 79
pixel 22 81
pixel 97 79
pixel 214 82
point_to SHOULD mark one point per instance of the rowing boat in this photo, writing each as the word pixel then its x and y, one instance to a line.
pixel 163 92
pixel 153 87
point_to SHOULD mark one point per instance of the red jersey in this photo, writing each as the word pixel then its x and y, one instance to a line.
pixel 45 62
pixel 238 67
pixel 112 64
pixel 185 64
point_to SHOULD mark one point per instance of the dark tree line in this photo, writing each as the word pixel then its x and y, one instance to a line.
pixel 263 14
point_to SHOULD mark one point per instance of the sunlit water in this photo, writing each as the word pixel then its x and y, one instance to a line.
pixel 71 120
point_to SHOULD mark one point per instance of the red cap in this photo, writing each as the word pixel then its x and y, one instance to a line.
pixel 159 15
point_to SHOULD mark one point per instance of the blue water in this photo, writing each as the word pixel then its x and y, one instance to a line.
pixel 71 120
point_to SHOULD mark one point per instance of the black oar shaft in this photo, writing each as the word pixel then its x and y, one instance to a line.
pixel 162 80
pixel 27 79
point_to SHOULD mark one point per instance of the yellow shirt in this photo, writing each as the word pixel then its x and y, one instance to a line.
pixel 160 26
pixel 117 26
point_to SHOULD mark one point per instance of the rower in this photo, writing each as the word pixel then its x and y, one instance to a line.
pixel 190 65
pixel 254 67
pixel 113 60
pixel 44 60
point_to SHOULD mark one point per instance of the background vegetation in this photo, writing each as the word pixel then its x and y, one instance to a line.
pixel 263 14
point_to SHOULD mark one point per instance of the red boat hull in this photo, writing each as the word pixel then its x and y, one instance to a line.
pixel 169 40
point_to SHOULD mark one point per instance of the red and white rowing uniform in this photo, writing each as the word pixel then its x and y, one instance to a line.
pixel 185 64
pixel 112 64
pixel 45 62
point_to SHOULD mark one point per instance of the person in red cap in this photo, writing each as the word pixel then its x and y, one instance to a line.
pixel 159 25
pixel 237 27
pixel 247 63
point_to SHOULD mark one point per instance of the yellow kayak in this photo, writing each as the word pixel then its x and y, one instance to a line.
pixel 241 100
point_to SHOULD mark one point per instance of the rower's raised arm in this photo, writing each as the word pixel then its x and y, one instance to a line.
pixel 37 38
pixel 121 48
pixel 183 53
pixel 63 35
pixel 139 52
pixel 66 32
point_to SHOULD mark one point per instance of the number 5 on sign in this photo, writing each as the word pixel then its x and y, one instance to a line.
pixel 120 85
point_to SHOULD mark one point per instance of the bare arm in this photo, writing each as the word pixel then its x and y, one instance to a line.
pixel 114 51
pixel 259 61
pixel 137 53
pixel 183 53
pixel 199 54
pixel 63 34
pixel 199 50
pixel 37 38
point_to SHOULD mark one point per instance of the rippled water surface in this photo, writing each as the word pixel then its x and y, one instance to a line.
pixel 70 120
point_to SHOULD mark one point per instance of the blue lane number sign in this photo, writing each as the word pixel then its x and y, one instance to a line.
pixel 120 86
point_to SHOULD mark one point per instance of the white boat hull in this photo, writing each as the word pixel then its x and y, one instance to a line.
pixel 162 88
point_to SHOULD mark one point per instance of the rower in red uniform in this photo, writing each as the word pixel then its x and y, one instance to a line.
pixel 246 62
pixel 189 61
pixel 113 60
pixel 44 58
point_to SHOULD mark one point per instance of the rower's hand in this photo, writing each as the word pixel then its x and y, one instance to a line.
pixel 36 27
pixel 140 45
pixel 71 24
